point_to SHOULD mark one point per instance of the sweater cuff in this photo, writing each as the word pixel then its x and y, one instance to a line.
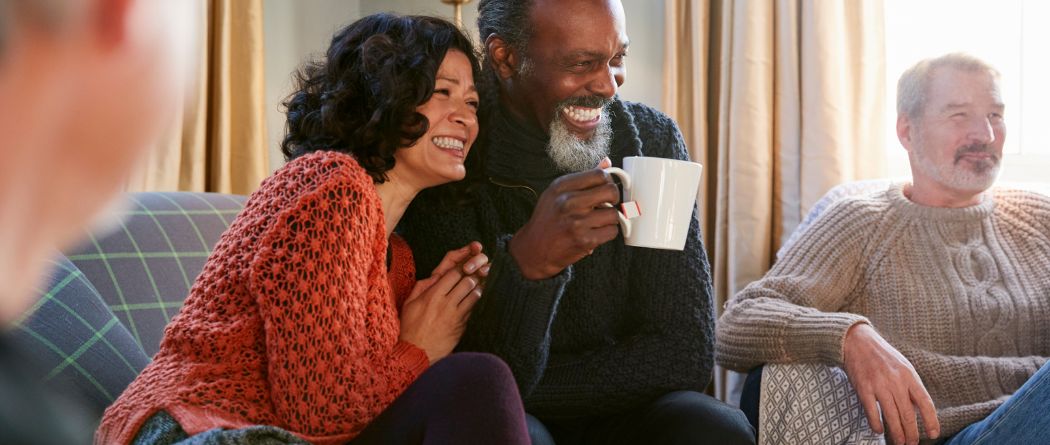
pixel 412 357
pixel 508 267
pixel 820 336
pixel 526 307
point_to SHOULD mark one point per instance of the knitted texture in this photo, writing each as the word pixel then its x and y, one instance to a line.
pixel 293 322
pixel 962 293
pixel 617 329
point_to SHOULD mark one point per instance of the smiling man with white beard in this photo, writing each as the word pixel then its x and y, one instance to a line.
pixel 608 343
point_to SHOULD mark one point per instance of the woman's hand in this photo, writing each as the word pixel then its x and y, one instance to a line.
pixel 436 312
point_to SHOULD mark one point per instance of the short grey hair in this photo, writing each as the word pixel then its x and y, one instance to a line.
pixel 913 86
pixel 510 20
pixel 48 14
pixel 507 18
pixel 6 14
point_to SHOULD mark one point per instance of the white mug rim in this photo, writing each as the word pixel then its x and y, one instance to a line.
pixel 659 159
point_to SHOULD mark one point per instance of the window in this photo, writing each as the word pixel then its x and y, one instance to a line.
pixel 1006 34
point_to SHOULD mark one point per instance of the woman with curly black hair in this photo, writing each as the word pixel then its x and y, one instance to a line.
pixel 307 323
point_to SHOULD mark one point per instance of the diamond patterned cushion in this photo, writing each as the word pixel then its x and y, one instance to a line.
pixel 811 404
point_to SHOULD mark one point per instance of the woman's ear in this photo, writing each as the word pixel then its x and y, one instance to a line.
pixel 503 58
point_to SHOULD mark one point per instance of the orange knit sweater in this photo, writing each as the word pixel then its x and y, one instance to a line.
pixel 294 320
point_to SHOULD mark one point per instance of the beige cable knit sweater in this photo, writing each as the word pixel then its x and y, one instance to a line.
pixel 963 293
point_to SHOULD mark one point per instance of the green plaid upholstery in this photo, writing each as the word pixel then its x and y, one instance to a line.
pixel 106 303
pixel 76 342
pixel 144 269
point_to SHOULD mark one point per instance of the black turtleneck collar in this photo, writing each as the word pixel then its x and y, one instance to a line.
pixel 517 151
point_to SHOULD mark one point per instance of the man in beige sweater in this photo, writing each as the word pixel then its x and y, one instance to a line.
pixel 932 296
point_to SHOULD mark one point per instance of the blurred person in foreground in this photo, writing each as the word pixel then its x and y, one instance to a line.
pixel 307 323
pixel 87 86
pixel 931 296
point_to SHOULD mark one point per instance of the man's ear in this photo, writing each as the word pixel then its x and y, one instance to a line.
pixel 112 18
pixel 503 58
pixel 904 128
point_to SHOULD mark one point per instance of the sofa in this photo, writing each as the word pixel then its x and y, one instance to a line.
pixel 103 308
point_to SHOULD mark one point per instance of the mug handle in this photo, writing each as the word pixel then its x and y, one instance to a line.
pixel 625 179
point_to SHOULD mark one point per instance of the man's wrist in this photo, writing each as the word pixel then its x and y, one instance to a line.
pixel 524 264
pixel 851 333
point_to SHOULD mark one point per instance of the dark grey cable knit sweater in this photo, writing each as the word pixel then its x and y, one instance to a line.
pixel 617 329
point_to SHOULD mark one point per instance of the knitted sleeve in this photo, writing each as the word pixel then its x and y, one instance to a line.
pixel 331 329
pixel 402 270
pixel 672 346
pixel 514 321
pixel 794 313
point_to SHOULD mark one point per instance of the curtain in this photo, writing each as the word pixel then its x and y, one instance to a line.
pixel 686 86
pixel 219 143
pixel 781 100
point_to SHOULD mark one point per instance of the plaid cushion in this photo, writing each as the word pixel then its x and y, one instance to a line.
pixel 144 268
pixel 75 342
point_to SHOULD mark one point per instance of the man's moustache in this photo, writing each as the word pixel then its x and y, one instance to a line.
pixel 586 102
pixel 974 148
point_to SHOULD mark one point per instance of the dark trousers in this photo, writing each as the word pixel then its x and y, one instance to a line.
pixel 751 395
pixel 465 398
pixel 682 417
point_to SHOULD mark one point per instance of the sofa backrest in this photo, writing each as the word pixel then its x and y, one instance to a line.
pixel 145 267
pixel 846 189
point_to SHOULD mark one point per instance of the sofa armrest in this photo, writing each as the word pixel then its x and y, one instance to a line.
pixel 74 340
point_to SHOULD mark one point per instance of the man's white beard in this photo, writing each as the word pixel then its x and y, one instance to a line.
pixel 569 153
pixel 974 178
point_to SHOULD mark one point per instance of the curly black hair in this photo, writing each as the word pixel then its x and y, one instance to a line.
pixel 361 99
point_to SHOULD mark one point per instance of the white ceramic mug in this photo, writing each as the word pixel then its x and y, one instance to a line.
pixel 664 191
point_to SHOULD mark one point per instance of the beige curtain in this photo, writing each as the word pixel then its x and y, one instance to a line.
pixel 219 143
pixel 781 100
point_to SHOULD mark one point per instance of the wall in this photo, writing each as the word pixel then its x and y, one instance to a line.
pixel 424 7
pixel 645 59
pixel 296 29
